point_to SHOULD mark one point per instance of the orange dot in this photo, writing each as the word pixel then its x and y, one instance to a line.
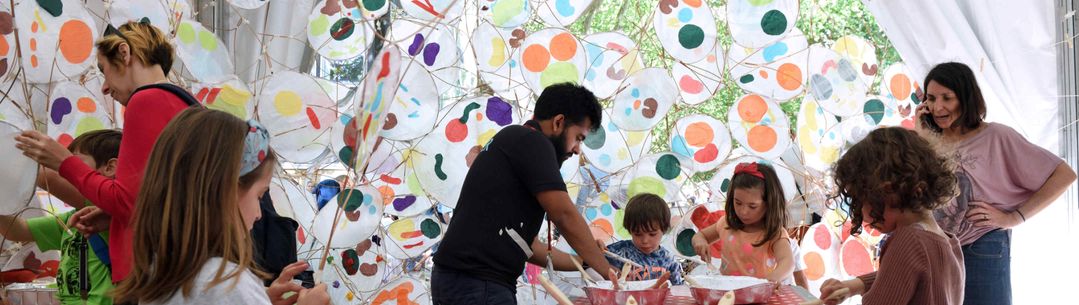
pixel 33 27
pixel 536 58
pixel 387 194
pixel 76 41
pixel 814 266
pixel 752 108
pixel 699 134
pixel 604 225
pixel 763 74
pixel 33 61
pixel 563 47
pixel 900 86
pixel 762 138
pixel 693 3
pixel 479 116
pixel 789 76
pixel 637 104
pixel 33 44
pixel 3 46
pixel 86 105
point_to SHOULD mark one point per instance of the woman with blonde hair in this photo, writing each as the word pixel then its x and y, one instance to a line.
pixel 199 198
pixel 134 58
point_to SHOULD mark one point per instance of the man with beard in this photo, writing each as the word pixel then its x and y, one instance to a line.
pixel 514 180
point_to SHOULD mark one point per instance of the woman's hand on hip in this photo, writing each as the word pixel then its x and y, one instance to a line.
pixel 985 215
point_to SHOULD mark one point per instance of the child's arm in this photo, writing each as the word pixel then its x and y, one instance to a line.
pixel 15 229
pixel 702 241
pixel 51 181
pixel 784 259
pixel 801 280
pixel 676 273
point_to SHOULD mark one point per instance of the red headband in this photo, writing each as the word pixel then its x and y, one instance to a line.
pixel 748 168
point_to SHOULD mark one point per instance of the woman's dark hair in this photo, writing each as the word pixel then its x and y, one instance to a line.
pixel 895 163
pixel 775 202
pixel 570 100
pixel 959 78
pixel 647 212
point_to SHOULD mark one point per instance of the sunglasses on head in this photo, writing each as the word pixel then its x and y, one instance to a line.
pixel 111 30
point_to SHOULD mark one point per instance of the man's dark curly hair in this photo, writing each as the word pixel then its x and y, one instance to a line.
pixel 893 162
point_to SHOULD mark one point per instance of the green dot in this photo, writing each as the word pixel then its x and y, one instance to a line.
pixel 318 26
pixel 690 36
pixel 346 157
pixel 649 185
pixel 725 186
pixel 596 139
pixel 684 243
pixel 745 79
pixel 774 23
pixel 88 124
pixel 760 2
pixel 559 72
pixel 53 7
pixel 504 11
pixel 874 109
pixel 373 5
pixel 186 32
pixel 350 200
pixel 430 228
pixel 208 40
pixel 668 167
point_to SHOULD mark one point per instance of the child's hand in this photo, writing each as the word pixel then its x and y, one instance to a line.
pixel 314 296
pixel 662 280
pixel 833 291
pixel 701 246
pixel 89 220
pixel 283 284
pixel 611 274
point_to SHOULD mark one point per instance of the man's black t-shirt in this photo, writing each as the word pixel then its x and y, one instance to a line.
pixel 497 216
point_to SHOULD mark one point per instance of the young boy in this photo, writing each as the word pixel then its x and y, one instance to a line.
pixel 647 218
pixel 99 150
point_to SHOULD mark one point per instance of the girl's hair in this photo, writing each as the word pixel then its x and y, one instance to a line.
pixel 775 203
pixel 647 212
pixel 145 42
pixel 187 209
pixel 893 162
pixel 959 78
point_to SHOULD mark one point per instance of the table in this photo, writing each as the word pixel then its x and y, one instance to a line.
pixel 679 295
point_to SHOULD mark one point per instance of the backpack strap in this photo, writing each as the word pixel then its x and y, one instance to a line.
pixel 182 93
pixel 101 249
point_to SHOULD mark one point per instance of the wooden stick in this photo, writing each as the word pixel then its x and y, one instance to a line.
pixel 692 282
pixel 553 290
pixel 333 229
pixel 622 259
pixel 581 269
pixel 728 298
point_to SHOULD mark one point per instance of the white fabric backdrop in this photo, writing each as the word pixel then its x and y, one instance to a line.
pixel 1010 45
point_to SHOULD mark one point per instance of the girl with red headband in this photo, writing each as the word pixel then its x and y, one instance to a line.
pixel 754 242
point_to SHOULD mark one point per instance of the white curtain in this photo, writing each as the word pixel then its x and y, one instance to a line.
pixel 1011 46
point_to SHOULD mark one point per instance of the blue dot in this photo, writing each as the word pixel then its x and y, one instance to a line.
pixel 590 213
pixel 678 146
pixel 831 135
pixel 605 160
pixel 590 75
pixel 774 50
pixel 371 209
pixel 629 111
pixel 635 93
pixel 685 14
pixel 606 209
pixel 820 132
pixel 612 127
pixel 345 118
pixel 513 63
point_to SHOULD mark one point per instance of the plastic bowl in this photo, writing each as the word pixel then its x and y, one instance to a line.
pixel 602 294
pixel 747 290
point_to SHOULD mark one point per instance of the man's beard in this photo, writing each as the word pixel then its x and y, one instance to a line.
pixel 559 143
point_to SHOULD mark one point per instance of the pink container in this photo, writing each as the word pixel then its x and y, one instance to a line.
pixel 601 296
pixel 747 294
